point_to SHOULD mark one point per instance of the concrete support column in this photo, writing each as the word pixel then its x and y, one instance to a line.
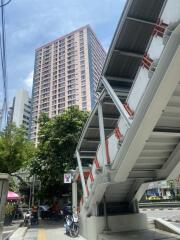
pixel 103 144
pixel 81 175
pixel 4 179
pixel 74 195
pixel 102 134
pixel 106 224
pixel 133 206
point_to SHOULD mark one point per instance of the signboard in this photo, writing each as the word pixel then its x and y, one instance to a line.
pixel 67 178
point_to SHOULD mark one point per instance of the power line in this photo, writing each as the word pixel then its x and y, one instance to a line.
pixel 4 62
pixel 4 4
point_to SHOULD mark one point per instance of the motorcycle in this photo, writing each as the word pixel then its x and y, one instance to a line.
pixel 71 225
pixel 27 219
pixel 30 219
pixel 34 218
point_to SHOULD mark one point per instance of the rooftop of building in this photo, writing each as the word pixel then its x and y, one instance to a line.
pixel 68 34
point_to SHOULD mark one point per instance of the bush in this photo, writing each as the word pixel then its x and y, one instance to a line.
pixel 9 208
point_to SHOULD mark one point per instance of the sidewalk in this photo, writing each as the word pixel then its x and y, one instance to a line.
pixel 140 235
pixel 175 219
pixel 48 230
pixel 8 230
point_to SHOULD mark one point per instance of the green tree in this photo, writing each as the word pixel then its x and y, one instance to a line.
pixel 15 150
pixel 58 138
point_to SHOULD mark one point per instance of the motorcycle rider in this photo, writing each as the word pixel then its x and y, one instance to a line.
pixel 35 213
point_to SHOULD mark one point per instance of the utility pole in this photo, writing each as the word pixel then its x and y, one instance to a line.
pixel 33 190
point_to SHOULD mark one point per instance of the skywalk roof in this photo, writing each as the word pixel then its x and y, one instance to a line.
pixel 124 58
pixel 90 137
pixel 130 41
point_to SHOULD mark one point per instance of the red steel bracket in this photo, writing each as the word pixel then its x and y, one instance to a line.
pixel 159 29
pixel 128 109
pixel 96 163
pixel 117 133
pixel 107 152
pixel 91 177
pixel 146 61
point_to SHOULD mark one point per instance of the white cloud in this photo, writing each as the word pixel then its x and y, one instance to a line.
pixel 31 29
pixel 28 81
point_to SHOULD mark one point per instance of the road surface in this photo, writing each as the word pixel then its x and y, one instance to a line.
pixel 55 231
pixel 166 214
pixel 48 231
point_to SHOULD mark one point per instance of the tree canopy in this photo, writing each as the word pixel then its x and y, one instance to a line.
pixel 58 138
pixel 15 150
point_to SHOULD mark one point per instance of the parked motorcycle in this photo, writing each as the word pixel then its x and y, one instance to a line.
pixel 34 218
pixel 71 225
pixel 30 219
pixel 27 219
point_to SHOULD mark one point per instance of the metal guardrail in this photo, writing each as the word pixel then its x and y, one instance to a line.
pixel 160 205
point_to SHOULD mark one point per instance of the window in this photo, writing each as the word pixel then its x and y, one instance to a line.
pixel 82 77
pixel 62 90
pixel 70 97
pixel 83 99
pixel 61 80
pixel 72 102
pixel 62 105
pixel 83 87
pixel 61 110
pixel 61 100
pixel 71 71
pixel 82 62
pixel 84 105
pixel 83 93
pixel 61 95
pixel 61 85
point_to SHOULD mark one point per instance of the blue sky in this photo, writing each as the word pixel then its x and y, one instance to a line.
pixel 31 23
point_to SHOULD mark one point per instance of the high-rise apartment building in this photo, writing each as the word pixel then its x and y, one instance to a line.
pixel 66 73
pixel 20 111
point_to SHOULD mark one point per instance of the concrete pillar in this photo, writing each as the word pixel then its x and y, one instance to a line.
pixel 4 179
pixel 81 175
pixel 133 206
pixel 74 195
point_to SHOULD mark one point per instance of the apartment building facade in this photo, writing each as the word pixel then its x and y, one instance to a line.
pixel 66 73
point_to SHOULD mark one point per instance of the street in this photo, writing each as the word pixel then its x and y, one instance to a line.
pixel 166 214
pixel 171 215
pixel 48 231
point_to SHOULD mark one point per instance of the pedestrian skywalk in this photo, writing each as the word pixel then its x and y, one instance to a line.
pixel 132 136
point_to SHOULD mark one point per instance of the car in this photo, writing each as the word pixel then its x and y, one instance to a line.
pixel 67 209
pixel 153 198
pixel 45 211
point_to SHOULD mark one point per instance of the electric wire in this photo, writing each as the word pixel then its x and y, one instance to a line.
pixel 3 59
pixel 4 4
pixel 3 63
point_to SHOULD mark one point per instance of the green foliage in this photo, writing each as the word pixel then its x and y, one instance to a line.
pixel 9 208
pixel 15 150
pixel 13 186
pixel 58 138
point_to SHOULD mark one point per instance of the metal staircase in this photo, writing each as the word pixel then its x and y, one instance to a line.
pixel 132 136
